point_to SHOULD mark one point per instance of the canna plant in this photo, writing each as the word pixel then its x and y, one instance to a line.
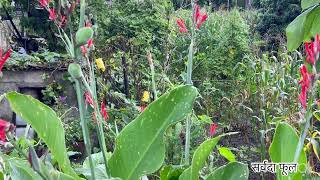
pixel 139 148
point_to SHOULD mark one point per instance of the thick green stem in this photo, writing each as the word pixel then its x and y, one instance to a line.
pixel 84 127
pixel 189 82
pixel 82 13
pixel 98 116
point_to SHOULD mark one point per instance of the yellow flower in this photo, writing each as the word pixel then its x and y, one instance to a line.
pixel 145 97
pixel 100 64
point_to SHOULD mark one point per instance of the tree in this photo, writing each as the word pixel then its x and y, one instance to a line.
pixel 277 14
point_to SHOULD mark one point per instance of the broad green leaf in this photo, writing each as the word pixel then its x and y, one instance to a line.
pixel 314 18
pixel 171 173
pixel 308 3
pixel 225 152
pixel 22 170
pixel 140 146
pixel 199 158
pixel 231 171
pixel 283 147
pixel 296 30
pixel 47 125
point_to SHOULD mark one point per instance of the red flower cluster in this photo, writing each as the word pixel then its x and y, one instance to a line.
pixel 305 85
pixel 182 26
pixel 104 112
pixel 61 18
pixel 52 14
pixel 89 100
pixel 44 3
pixel 213 128
pixel 199 20
pixel 85 47
pixel 4 125
pixel 4 58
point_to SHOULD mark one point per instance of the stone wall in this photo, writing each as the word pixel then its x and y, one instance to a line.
pixel 21 80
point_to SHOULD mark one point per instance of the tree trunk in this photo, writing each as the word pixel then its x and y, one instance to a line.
pixel 125 75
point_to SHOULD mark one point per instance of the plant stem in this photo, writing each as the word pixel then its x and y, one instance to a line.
pixel 85 130
pixel 101 138
pixel 82 13
pixel 153 82
pixel 189 82
pixel 308 117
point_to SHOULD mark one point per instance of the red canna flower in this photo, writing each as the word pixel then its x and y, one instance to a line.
pixel 197 12
pixel 182 26
pixel 63 21
pixel 213 128
pixel 201 20
pixel 142 107
pixel 44 3
pixel 84 50
pixel 104 112
pixel 4 58
pixel 4 126
pixel 310 49
pixel 305 84
pixel 52 14
pixel 317 42
pixel 90 42
pixel 88 99
pixel 88 24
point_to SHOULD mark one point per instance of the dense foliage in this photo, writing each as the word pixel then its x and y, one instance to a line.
pixel 167 89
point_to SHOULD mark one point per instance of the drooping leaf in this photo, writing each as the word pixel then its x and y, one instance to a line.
pixel 171 173
pixel 297 30
pixel 199 158
pixel 315 147
pixel 100 172
pixel 47 125
pixel 231 171
pixel 225 152
pixel 308 3
pixel 283 147
pixel 140 146
pixel 22 170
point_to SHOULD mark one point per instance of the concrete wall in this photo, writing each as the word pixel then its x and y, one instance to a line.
pixel 17 80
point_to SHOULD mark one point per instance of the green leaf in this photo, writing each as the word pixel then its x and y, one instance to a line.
pixel 205 118
pixel 171 173
pixel 315 147
pixel 199 158
pixel 316 114
pixel 297 30
pixel 231 171
pixel 140 146
pixel 22 170
pixel 47 125
pixel 99 170
pixel 225 152
pixel 308 3
pixel 97 159
pixel 283 147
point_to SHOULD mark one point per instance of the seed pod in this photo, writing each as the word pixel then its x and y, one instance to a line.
pixel 83 35
pixel 75 70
